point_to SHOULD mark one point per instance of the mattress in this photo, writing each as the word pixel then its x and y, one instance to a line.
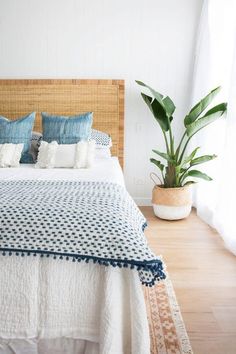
pixel 104 169
pixel 50 306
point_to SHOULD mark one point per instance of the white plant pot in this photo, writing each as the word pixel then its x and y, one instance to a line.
pixel 172 203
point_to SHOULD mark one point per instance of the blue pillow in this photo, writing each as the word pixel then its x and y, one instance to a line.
pixel 18 132
pixel 67 130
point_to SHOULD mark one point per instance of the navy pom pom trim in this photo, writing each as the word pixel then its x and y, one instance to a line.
pixel 155 268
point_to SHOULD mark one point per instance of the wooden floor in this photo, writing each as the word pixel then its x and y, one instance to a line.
pixel 203 273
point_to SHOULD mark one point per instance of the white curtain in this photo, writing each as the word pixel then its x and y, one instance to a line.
pixel 215 65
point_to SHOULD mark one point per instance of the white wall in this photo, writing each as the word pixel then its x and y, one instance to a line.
pixel 150 40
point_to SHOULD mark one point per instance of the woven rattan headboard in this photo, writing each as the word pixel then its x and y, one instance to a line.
pixel 105 98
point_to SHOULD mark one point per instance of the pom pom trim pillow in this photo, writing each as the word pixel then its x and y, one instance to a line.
pixel 103 140
pixel 65 129
pixel 53 155
pixel 10 154
pixel 18 132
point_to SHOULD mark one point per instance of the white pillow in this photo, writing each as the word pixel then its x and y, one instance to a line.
pixel 46 155
pixel 84 156
pixel 54 155
pixel 10 154
pixel 102 153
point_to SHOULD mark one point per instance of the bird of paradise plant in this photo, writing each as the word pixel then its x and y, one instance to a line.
pixel 178 168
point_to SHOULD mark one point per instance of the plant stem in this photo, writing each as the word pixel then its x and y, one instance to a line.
pixel 171 143
pixel 166 141
pixel 162 177
pixel 178 148
pixel 183 175
pixel 171 139
pixel 182 154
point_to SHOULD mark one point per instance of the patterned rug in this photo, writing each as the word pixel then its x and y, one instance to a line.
pixel 167 331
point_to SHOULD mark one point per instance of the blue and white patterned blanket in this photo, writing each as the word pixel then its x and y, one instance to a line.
pixel 78 221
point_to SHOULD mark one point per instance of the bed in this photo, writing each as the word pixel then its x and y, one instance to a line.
pixel 67 302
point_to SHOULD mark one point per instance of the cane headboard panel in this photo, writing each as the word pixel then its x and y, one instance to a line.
pixel 105 98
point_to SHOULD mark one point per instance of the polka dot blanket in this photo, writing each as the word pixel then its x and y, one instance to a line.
pixel 76 221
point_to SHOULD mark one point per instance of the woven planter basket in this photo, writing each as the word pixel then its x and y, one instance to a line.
pixel 172 203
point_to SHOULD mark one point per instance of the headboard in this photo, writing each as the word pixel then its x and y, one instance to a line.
pixel 105 98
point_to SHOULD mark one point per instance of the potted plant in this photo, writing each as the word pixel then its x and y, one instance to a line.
pixel 172 197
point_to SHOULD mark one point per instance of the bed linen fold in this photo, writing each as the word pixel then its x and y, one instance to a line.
pixel 87 221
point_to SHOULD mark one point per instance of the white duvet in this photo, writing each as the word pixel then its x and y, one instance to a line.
pixel 51 306
pixel 104 169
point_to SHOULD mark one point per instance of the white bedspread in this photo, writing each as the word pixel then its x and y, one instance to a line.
pixel 104 169
pixel 45 303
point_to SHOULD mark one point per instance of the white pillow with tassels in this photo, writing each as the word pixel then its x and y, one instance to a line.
pixel 10 154
pixel 84 156
pixel 54 155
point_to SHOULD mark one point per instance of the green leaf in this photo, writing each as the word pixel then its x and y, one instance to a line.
pixel 156 94
pixel 191 156
pixel 148 100
pixel 198 174
pixel 169 106
pixel 157 111
pixel 158 164
pixel 163 108
pixel 200 107
pixel 211 116
pixel 188 183
pixel 179 169
pixel 160 115
pixel 162 154
pixel 202 159
pixel 218 108
pixel 140 83
pixel 166 103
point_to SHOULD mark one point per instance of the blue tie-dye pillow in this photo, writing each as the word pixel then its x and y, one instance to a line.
pixel 66 130
pixel 18 132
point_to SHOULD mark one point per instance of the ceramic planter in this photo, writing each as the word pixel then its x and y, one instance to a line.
pixel 172 203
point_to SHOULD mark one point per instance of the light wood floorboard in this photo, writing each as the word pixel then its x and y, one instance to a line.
pixel 203 273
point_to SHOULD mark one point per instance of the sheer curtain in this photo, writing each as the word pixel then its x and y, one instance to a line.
pixel 215 65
